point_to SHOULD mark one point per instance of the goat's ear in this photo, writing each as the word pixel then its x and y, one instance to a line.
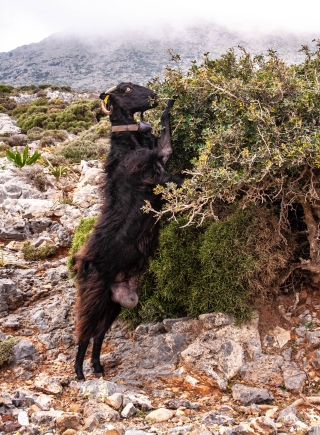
pixel 102 96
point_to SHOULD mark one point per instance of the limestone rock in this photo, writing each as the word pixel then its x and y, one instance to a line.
pixel 214 320
pixel 7 125
pixel 294 378
pixel 314 338
pixel 48 384
pixel 248 395
pixel 10 296
pixel 216 418
pixel 115 400
pixel 44 418
pixel 160 415
pixel 68 420
pixel 23 350
pixel 128 411
pixel 263 426
pixel 100 410
pixel 266 370
pixel 217 355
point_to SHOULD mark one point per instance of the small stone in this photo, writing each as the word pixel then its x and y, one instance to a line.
pixel 216 418
pixel 43 418
pixel 214 320
pixel 160 415
pixel 23 418
pixel 272 413
pixel 247 395
pixel 70 432
pixel 281 336
pixel 133 432
pixel 47 384
pixel 68 421
pixel 314 430
pixel 44 402
pixel 288 415
pixel 313 338
pixel 128 411
pixel 263 426
pixel 294 378
pixel 115 400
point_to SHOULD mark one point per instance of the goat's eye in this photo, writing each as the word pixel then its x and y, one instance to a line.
pixel 128 90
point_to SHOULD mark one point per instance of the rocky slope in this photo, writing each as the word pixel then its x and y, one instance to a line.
pixel 179 376
pixel 95 63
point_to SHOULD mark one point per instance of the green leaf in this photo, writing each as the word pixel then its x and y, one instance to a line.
pixel 33 158
pixel 25 154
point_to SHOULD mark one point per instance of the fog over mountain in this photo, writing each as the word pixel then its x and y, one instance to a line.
pixel 97 62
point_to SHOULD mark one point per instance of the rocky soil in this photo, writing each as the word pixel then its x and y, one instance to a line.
pixel 180 376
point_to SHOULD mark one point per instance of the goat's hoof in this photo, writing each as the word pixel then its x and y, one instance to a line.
pixel 98 368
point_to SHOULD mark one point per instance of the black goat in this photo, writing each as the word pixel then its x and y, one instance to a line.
pixel 109 265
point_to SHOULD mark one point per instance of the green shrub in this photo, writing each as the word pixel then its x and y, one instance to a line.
pixel 3 149
pixel 35 133
pixel 92 144
pixel 52 116
pixel 220 266
pixel 34 254
pixel 57 135
pixel 81 235
pixel 6 89
pixel 7 104
pixel 3 109
pixel 6 350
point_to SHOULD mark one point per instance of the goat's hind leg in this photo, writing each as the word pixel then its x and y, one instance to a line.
pixel 96 350
pixel 78 366
pixel 164 140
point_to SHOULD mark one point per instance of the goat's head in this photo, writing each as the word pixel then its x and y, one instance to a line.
pixel 122 101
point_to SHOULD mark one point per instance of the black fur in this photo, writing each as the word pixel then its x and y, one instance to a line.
pixel 124 237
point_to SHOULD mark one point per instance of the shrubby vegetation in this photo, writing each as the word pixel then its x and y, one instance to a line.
pixel 257 124
pixel 31 253
pixel 91 144
pixel 6 350
pixel 55 114
pixel 80 237
pixel 244 225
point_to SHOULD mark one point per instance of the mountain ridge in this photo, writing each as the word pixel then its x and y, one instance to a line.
pixel 97 62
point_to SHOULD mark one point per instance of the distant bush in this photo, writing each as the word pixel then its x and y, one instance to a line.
pixel 6 349
pixel 50 115
pixel 3 109
pixel 46 142
pixel 7 104
pixel 90 145
pixel 34 254
pixel 17 140
pixel 35 133
pixel 3 148
pixel 5 89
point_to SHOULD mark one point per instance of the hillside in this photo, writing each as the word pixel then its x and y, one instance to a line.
pixel 94 63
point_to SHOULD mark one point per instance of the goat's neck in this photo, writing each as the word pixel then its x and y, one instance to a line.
pixel 122 117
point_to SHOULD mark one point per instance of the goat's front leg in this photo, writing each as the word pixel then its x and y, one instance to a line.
pixel 78 366
pixel 96 350
pixel 164 141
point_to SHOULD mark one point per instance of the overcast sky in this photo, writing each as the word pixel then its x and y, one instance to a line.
pixel 26 21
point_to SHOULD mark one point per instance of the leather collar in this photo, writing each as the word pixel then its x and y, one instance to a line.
pixel 142 127
pixel 127 127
